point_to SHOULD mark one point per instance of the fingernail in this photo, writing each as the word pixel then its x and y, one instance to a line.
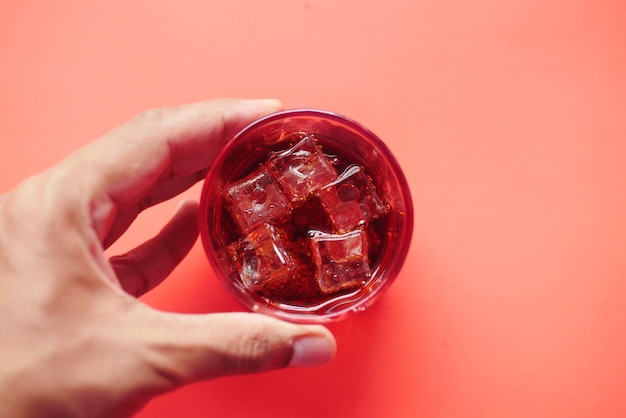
pixel 184 202
pixel 311 351
pixel 273 104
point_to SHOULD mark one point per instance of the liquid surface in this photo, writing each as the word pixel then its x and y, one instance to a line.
pixel 303 224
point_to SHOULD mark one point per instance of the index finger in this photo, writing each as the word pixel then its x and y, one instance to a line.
pixel 159 145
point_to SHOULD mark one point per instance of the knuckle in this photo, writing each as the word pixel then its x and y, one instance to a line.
pixel 131 277
pixel 52 211
pixel 174 253
pixel 151 116
pixel 254 353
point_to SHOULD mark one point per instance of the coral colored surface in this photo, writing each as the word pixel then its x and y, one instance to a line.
pixel 508 117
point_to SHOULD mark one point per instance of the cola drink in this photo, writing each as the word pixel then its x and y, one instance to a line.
pixel 306 215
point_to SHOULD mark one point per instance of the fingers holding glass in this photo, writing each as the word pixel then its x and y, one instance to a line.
pixel 144 267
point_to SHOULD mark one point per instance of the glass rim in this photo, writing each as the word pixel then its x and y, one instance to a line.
pixel 256 302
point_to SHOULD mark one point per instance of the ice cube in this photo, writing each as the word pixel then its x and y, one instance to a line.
pixel 261 257
pixel 301 169
pixel 351 199
pixel 341 259
pixel 256 199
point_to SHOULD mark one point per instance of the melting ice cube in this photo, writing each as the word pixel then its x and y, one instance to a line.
pixel 256 199
pixel 261 257
pixel 341 259
pixel 351 199
pixel 301 169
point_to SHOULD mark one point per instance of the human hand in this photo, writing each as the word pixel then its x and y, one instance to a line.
pixel 74 341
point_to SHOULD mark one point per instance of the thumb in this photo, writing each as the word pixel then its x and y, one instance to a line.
pixel 188 348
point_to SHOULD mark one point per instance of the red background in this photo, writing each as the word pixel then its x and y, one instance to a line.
pixel 508 117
